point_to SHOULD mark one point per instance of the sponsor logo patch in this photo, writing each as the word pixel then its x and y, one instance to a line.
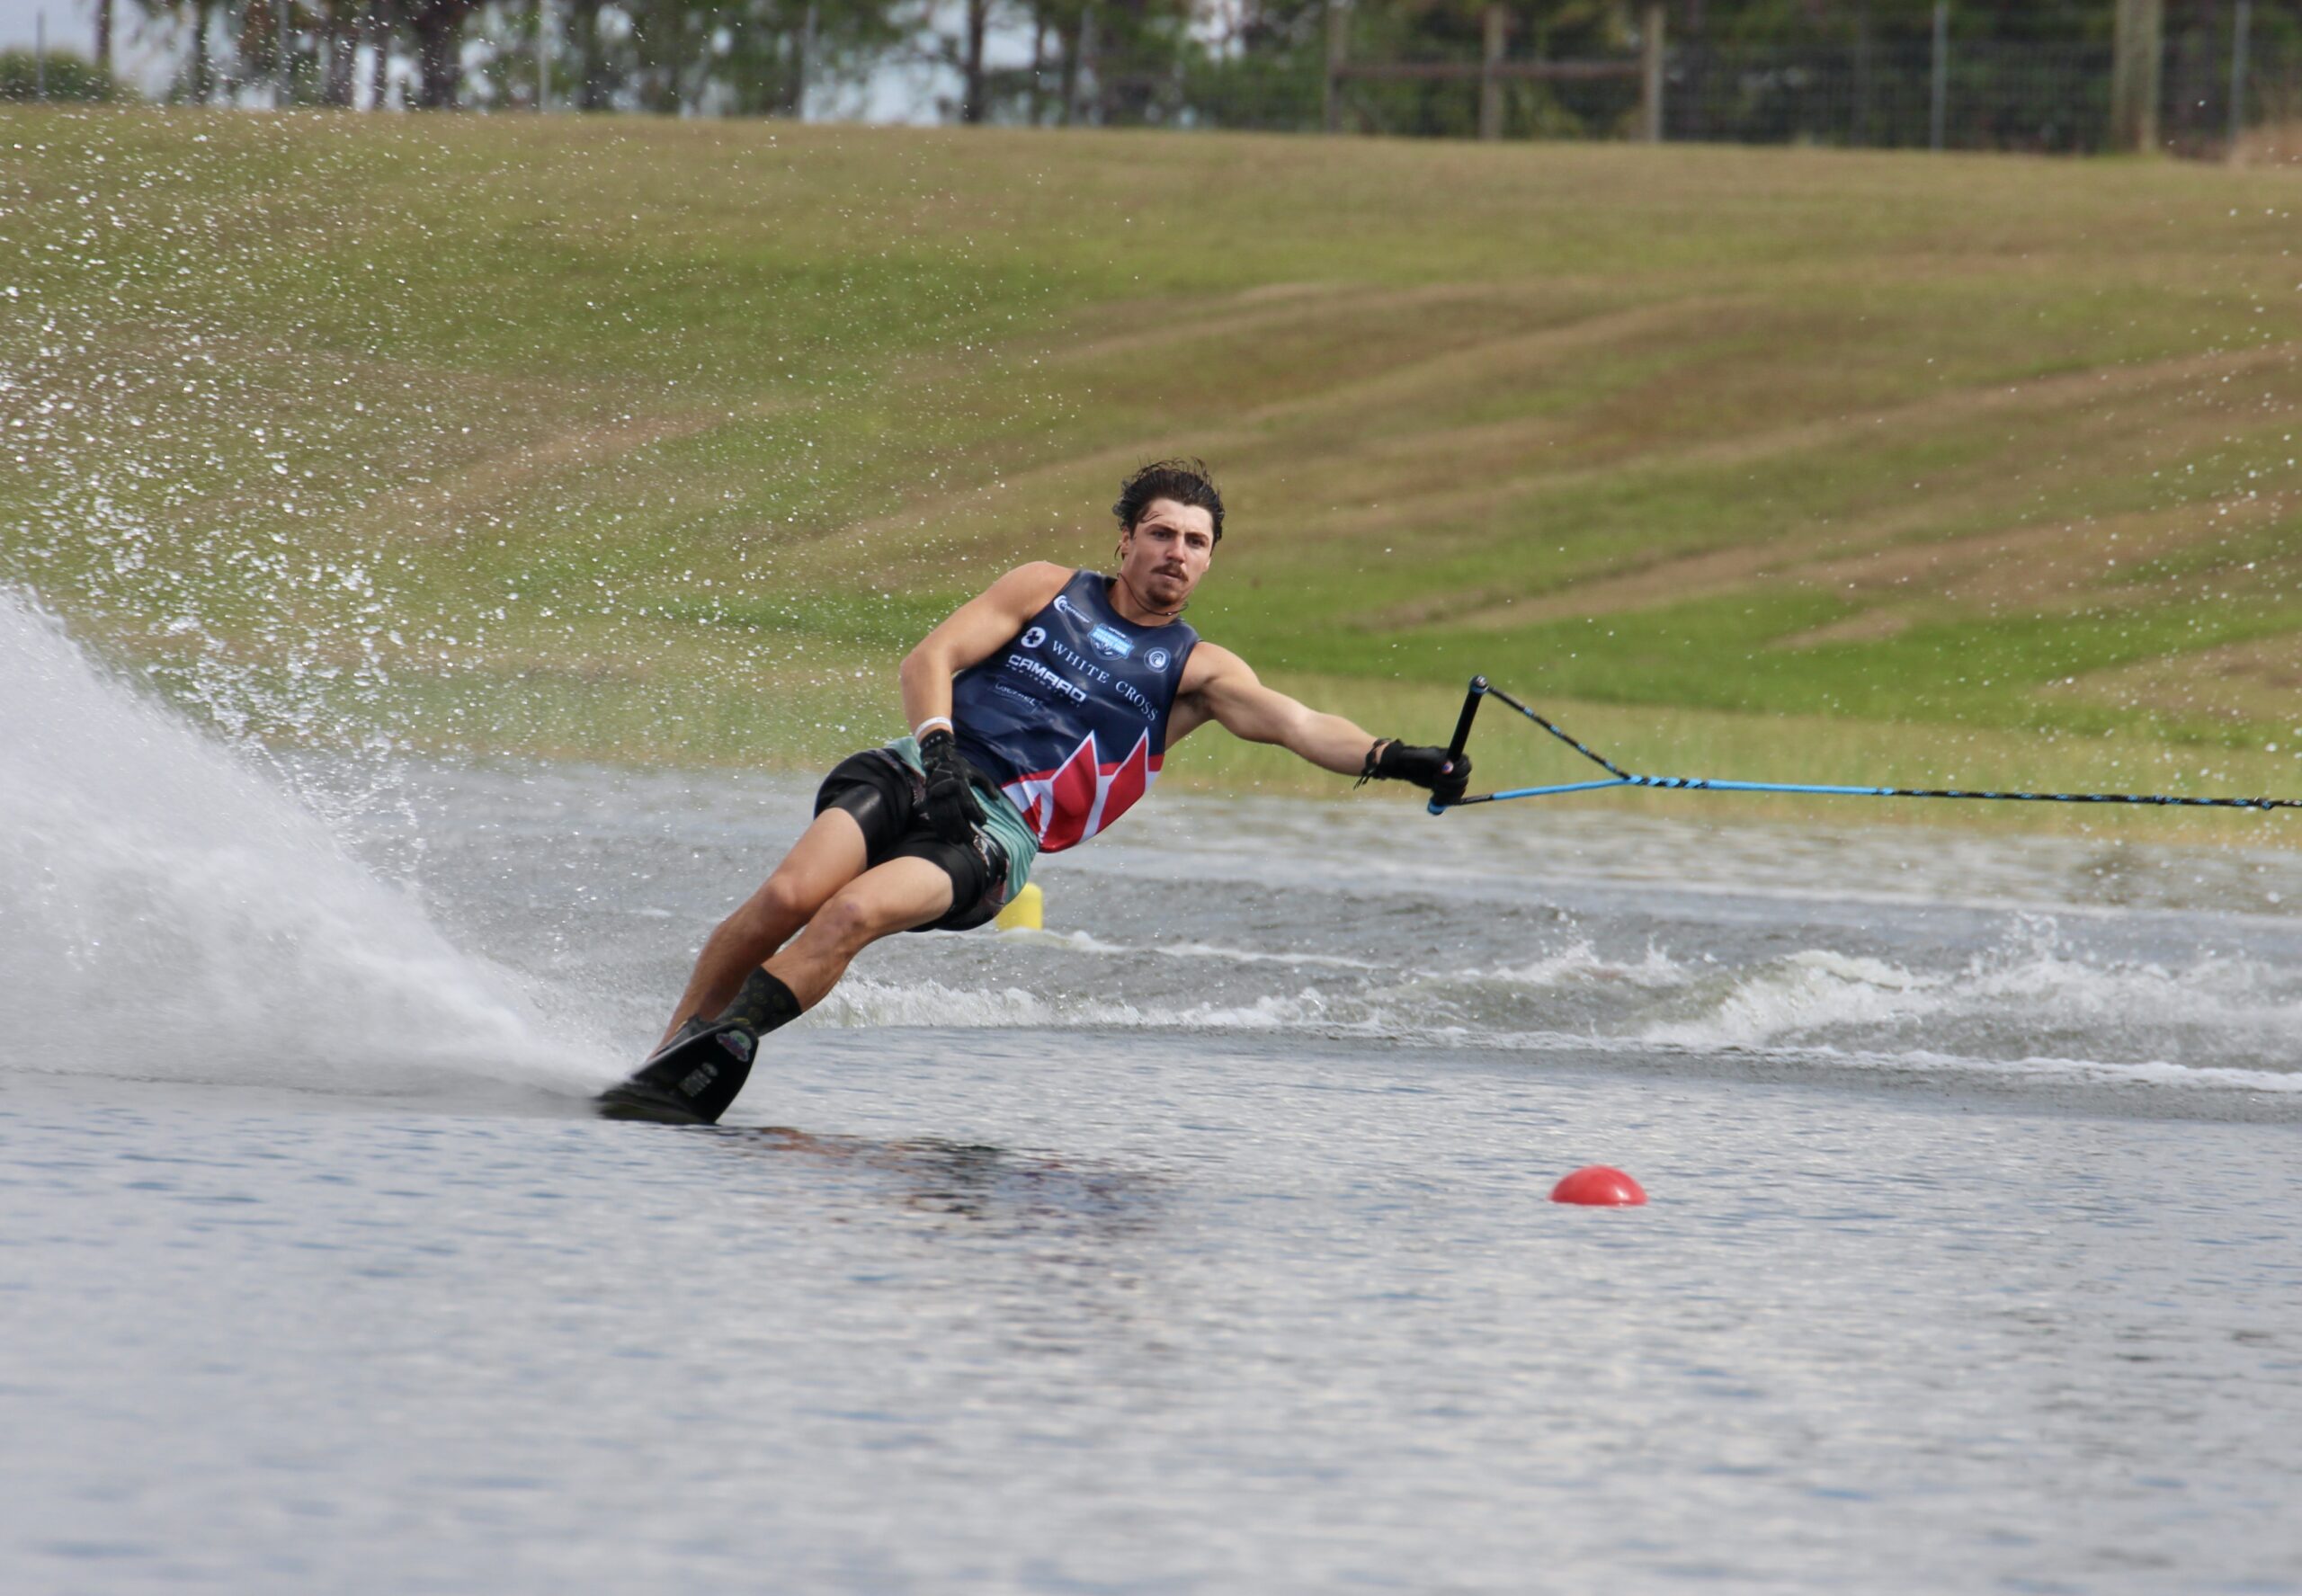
pixel 1157 659
pixel 1109 644
pixel 1024 664
pixel 1033 637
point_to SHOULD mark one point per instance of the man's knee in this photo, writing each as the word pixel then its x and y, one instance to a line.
pixel 762 922
pixel 849 921
pixel 782 898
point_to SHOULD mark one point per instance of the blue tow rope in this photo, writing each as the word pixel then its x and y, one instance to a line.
pixel 1618 776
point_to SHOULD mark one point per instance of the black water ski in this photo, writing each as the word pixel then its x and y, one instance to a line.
pixel 691 1082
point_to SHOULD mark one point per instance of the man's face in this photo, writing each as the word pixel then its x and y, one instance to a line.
pixel 1166 554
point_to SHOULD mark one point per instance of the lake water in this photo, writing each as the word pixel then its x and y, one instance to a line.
pixel 1200 1242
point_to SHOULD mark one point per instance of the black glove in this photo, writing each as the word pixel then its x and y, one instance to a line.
pixel 1447 775
pixel 953 808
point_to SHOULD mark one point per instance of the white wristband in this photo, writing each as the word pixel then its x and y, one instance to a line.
pixel 930 724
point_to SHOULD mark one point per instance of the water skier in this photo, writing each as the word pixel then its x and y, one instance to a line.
pixel 1040 712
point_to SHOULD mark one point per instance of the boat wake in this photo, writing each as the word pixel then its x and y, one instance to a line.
pixel 2030 1004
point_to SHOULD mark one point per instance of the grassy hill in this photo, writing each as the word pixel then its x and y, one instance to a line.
pixel 651 440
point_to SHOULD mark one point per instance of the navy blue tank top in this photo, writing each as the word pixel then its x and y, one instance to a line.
pixel 1070 717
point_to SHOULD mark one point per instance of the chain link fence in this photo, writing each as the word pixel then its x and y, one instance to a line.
pixel 1992 96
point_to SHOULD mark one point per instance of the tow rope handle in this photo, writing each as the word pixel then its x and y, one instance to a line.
pixel 1462 737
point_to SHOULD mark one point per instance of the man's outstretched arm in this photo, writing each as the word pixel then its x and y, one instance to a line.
pixel 1220 686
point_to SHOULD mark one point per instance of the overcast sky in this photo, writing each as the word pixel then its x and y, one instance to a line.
pixel 67 24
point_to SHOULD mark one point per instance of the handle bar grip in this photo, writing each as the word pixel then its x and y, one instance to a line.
pixel 1463 721
pixel 1463 727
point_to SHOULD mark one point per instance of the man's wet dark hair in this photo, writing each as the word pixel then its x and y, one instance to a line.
pixel 1185 481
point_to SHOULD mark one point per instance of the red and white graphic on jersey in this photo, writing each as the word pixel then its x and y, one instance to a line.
pixel 1071 803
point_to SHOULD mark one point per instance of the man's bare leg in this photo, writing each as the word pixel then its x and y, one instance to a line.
pixel 828 855
pixel 894 897
pixel 693 1084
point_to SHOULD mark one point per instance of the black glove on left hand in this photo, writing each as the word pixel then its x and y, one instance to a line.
pixel 1447 776
pixel 953 808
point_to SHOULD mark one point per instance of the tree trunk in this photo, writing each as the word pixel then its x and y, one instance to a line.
pixel 2138 54
pixel 1862 39
pixel 203 78
pixel 1038 63
pixel 657 33
pixel 259 38
pixel 1068 40
pixel 794 100
pixel 978 18
pixel 1088 46
pixel 377 25
pixel 103 35
pixel 343 52
pixel 439 55
pixel 591 70
pixel 1494 30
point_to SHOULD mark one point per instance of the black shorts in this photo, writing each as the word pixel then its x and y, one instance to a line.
pixel 887 798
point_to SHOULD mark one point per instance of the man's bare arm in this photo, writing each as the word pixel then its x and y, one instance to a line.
pixel 1219 686
pixel 968 634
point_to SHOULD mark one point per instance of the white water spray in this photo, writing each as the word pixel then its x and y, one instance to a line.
pixel 166 914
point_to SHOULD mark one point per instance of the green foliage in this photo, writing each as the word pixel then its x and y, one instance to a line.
pixel 62 78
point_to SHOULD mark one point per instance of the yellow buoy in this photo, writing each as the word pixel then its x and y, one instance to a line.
pixel 1026 913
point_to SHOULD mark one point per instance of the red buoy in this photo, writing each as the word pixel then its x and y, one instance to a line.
pixel 1597 1185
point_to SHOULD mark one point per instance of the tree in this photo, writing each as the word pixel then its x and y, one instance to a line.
pixel 962 52
pixel 762 53
pixel 978 20
pixel 261 36
pixel 1138 45
pixel 57 75
pixel 743 57
pixel 203 73
pixel 592 82
pixel 659 39
pixel 195 80
pixel 340 26
pixel 439 29
pixel 377 25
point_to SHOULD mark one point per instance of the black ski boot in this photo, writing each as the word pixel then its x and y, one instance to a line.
pixel 691 1081
pixel 698 1073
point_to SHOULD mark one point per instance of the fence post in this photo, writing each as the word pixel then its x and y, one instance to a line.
pixel 1860 133
pixel 1939 114
pixel 1650 74
pixel 2135 64
pixel 803 69
pixel 1338 51
pixel 2240 28
pixel 1490 87
pixel 1087 65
